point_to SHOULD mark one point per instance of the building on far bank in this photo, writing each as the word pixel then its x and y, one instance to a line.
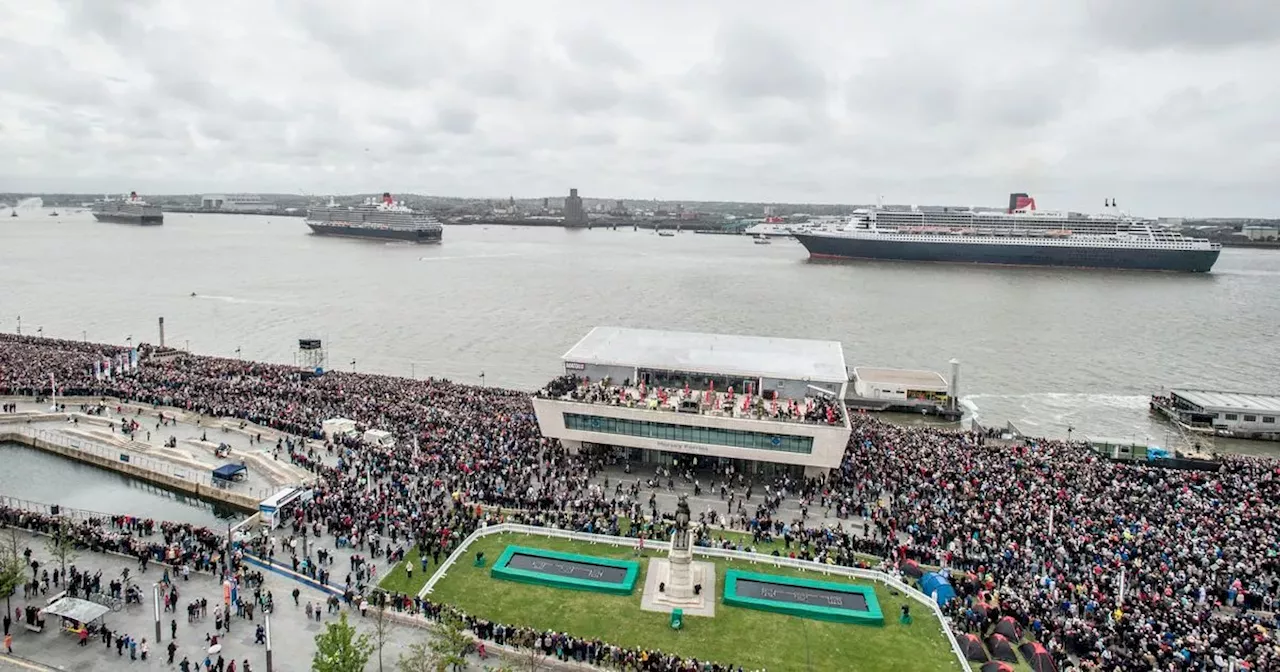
pixel 574 213
pixel 234 202
pixel 1261 231
pixel 754 404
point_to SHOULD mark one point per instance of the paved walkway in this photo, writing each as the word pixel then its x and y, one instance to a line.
pixel 292 634
pixel 197 438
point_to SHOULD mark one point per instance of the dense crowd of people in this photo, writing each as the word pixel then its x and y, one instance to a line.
pixel 766 406
pixel 1039 531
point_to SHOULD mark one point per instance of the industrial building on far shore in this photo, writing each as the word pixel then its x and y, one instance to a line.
pixel 235 203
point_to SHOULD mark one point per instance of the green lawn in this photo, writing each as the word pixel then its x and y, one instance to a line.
pixel 752 639
pixel 397 581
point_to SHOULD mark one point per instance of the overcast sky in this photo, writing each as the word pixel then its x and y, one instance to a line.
pixel 1170 106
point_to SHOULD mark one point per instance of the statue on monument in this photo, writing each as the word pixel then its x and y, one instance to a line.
pixel 680 540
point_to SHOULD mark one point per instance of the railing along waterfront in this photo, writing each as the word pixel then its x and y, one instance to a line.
pixel 41 508
pixel 725 554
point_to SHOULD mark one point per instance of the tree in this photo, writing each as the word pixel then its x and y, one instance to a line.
pixel 13 570
pixel 531 659
pixel 382 624
pixel 445 648
pixel 450 644
pixel 62 546
pixel 339 649
pixel 417 659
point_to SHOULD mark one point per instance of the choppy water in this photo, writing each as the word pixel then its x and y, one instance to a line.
pixel 37 476
pixel 1046 349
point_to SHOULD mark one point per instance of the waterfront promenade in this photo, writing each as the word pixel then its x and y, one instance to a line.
pixel 179 454
pixel 292 632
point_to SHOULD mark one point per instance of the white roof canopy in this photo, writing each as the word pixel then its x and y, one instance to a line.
pixel 906 377
pixel 754 356
pixel 82 611
pixel 1232 401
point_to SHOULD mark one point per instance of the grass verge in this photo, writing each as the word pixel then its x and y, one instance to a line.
pixel 752 639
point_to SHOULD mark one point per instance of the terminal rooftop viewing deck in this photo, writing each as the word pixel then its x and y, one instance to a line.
pixel 817 409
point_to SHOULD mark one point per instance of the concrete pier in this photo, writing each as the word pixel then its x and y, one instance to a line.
pixel 185 468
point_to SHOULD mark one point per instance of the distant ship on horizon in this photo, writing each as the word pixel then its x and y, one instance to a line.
pixel 1020 236
pixel 385 219
pixel 127 210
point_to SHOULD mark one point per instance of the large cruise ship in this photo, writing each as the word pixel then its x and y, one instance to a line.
pixel 1020 236
pixel 385 219
pixel 128 210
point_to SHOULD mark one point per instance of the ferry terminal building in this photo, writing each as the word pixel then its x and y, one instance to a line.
pixel 763 405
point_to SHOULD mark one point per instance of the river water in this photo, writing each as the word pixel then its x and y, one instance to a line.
pixel 1046 349
pixel 34 475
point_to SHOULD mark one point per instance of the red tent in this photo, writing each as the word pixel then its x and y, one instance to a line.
pixel 1001 648
pixel 912 568
pixel 972 648
pixel 1009 628
pixel 997 666
pixel 1038 657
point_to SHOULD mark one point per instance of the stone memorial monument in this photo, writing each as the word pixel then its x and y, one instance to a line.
pixel 680 582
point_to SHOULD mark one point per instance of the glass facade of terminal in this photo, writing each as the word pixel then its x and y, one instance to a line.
pixel 713 436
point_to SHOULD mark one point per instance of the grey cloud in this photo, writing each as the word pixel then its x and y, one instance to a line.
pixel 457 120
pixel 47 73
pixel 1190 24
pixel 924 87
pixel 586 96
pixel 753 62
pixel 591 46
pixel 114 20
pixel 910 88
pixel 923 100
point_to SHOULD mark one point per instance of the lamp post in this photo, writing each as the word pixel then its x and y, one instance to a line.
pixel 266 625
pixel 40 332
pixel 129 339
pixel 237 352
pixel 353 366
pixel 413 373
pixel 19 325
pixel 84 336
pixel 482 379
pixel 155 596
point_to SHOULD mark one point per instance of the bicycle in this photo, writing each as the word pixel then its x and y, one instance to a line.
pixel 113 603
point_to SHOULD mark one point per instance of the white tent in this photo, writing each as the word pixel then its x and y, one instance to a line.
pixel 380 438
pixel 338 427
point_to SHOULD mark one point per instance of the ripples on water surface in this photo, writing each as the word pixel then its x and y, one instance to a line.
pixel 1044 348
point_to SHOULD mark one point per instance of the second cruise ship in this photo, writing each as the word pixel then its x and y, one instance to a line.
pixel 385 219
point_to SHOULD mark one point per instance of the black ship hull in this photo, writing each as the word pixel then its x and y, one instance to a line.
pixel 410 235
pixel 1071 256
pixel 140 220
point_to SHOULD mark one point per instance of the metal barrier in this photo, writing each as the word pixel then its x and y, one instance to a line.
pixel 726 554
pixel 47 509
